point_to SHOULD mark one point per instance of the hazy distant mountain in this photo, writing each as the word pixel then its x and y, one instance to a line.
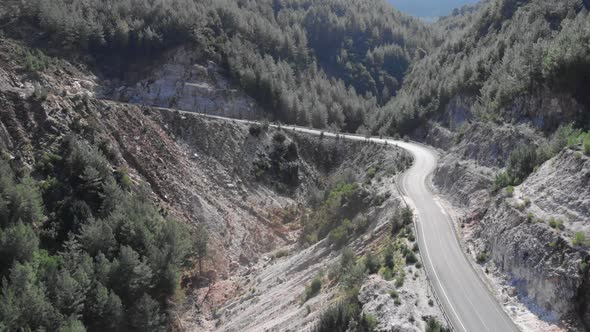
pixel 429 8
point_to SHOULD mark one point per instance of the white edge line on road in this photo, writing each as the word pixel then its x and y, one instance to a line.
pixel 419 221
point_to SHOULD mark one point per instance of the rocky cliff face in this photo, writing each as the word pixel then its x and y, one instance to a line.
pixel 182 80
pixel 527 235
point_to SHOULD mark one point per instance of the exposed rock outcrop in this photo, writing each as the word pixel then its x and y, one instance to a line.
pixel 183 80
pixel 527 235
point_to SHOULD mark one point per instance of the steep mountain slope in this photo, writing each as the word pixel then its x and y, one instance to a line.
pixel 508 61
pixel 145 219
pixel 500 86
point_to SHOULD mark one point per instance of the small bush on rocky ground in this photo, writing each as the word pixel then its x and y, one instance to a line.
pixel 337 317
pixel 586 146
pixel 409 255
pixel 580 239
pixel 368 322
pixel 502 180
pixel 255 130
pixel 386 273
pixel 510 191
pixel 433 325
pixel 280 254
pixel 556 224
pixel 482 256
pixel 339 235
pixel 279 138
pixel 36 61
pixel 401 219
pixel 530 217
pixel 372 263
pixel 393 294
pixel 399 279
pixel 313 288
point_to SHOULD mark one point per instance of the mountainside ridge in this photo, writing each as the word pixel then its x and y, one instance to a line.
pixel 499 87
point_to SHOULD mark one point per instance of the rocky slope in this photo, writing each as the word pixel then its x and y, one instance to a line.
pixel 526 235
pixel 182 79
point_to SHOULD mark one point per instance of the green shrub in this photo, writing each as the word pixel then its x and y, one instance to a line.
pixel 502 180
pixel 432 325
pixel 280 254
pixel 399 280
pixel 337 317
pixel 255 130
pixel 45 165
pixel 556 224
pixel 361 224
pixel 339 235
pixel 586 146
pixel 313 288
pixel 407 216
pixel 122 176
pixel 579 239
pixel 482 256
pixel 371 174
pixel 368 322
pixel 36 61
pixel 393 294
pixel 510 191
pixel 371 263
pixel 389 257
pixel 530 217
pixel 410 257
pixel 386 273
pixel 279 138
pixel 327 217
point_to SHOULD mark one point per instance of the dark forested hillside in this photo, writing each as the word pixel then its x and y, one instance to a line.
pixel 499 57
pixel 341 64
pixel 324 63
pixel 80 245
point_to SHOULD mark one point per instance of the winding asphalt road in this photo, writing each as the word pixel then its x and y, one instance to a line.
pixel 464 296
pixel 467 302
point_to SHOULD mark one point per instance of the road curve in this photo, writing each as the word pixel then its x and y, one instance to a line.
pixel 463 295
pixel 469 305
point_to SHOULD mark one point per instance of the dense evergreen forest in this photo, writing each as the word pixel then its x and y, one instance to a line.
pixel 499 54
pixel 81 246
pixel 324 63
pixel 341 64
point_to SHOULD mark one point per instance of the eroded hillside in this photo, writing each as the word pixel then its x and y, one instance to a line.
pixel 282 211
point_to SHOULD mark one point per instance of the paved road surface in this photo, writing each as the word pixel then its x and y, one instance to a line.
pixel 463 295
